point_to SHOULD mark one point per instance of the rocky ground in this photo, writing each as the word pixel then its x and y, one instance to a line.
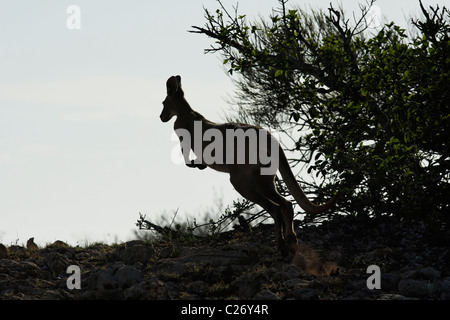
pixel 331 263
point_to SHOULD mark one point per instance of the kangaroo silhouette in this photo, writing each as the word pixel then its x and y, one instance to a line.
pixel 246 171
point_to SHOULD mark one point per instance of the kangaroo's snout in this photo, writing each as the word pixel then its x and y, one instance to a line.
pixel 164 119
pixel 165 115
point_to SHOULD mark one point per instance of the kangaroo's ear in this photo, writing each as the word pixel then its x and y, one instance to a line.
pixel 172 85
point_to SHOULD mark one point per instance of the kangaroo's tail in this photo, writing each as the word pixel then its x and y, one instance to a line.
pixel 296 190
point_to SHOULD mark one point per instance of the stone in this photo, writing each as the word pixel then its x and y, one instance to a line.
pixel 389 281
pixel 305 294
pixel 135 252
pixel 18 251
pixel 112 282
pixel 287 272
pixel 31 246
pixel 296 283
pixel 197 287
pixel 58 244
pixel 266 295
pixel 19 269
pixel 107 287
pixel 52 295
pixel 157 289
pixel 3 252
pixel 57 263
pixel 429 273
pixel 246 286
pixel 136 292
pixel 413 288
pixel 127 276
pixel 445 289
pixel 391 296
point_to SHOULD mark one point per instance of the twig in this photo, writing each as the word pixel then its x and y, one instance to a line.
pixel 174 216
pixel 155 227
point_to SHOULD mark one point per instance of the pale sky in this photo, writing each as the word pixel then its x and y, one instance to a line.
pixel 82 148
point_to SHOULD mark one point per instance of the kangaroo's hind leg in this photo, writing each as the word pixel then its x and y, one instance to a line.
pixel 248 188
pixel 285 209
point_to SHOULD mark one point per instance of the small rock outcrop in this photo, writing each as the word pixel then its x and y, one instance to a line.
pixel 331 263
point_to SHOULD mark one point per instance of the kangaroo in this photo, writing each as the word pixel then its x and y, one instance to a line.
pixel 246 176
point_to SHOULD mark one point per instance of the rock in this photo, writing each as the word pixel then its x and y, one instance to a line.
pixel 379 253
pixel 215 275
pixel 247 285
pixel 296 283
pixel 445 289
pixel 3 252
pixel 127 276
pixel 391 296
pixel 197 287
pixel 58 244
pixel 287 273
pixel 413 288
pixel 19 270
pixel 135 251
pixel 112 282
pixel 187 296
pixel 292 271
pixel 31 246
pixel 136 292
pixel 173 266
pixel 19 279
pixel 152 289
pixel 18 251
pixel 107 287
pixel 57 263
pixel 305 294
pixel 389 281
pixel 266 295
pixel 429 273
pixel 410 271
pixel 52 295
pixel 334 255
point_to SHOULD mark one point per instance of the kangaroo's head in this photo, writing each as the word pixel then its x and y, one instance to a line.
pixel 174 104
